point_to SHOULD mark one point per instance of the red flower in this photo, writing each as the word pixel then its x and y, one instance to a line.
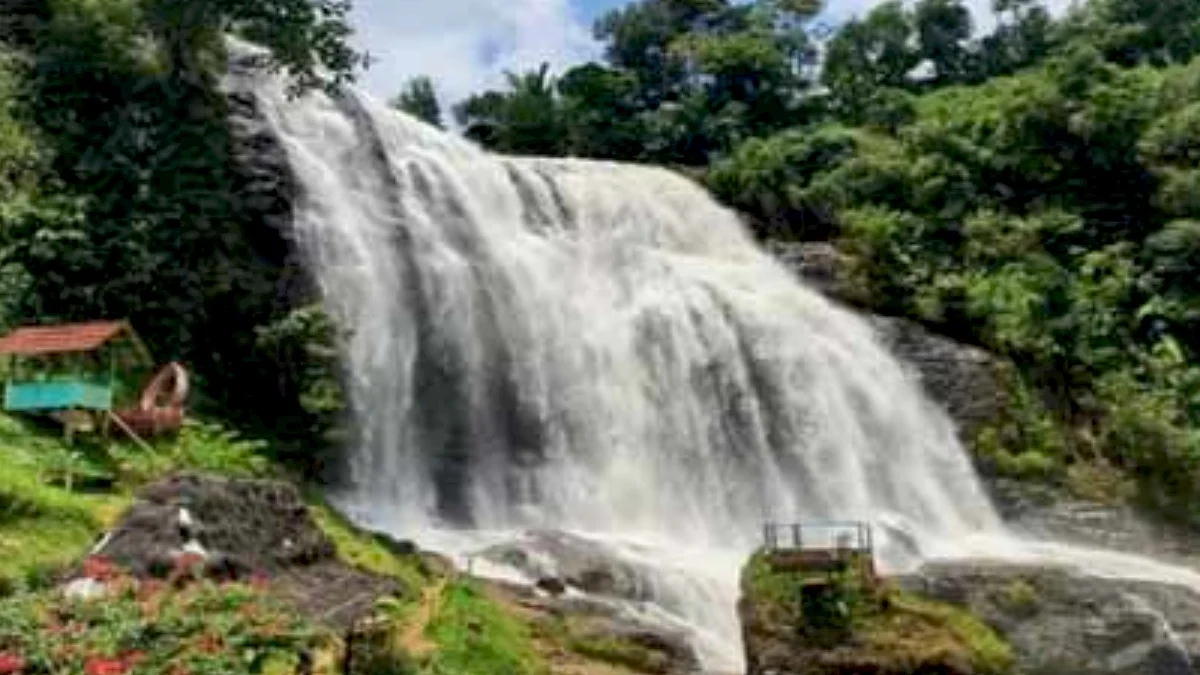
pixel 99 666
pixel 11 663
pixel 99 568
pixel 260 580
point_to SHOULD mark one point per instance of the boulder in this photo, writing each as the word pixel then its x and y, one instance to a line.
pixel 246 525
pixel 587 565
pixel 607 628
pixel 1060 621
pixel 256 530
pixel 797 622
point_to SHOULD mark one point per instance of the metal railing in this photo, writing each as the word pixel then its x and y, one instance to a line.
pixel 824 536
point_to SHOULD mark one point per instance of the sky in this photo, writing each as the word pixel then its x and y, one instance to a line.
pixel 466 45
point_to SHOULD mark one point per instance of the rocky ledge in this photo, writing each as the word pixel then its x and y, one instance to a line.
pixel 968 618
pixel 798 622
pixel 1060 621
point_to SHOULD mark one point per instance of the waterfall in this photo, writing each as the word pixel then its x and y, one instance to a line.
pixel 601 349
pixel 596 348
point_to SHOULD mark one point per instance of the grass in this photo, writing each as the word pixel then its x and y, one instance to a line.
pixel 893 630
pixel 42 527
pixel 476 637
pixel 365 551
pixel 921 631
pixel 48 523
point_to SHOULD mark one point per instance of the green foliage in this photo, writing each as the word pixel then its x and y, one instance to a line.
pixel 42 527
pixel 1019 598
pixel 120 196
pixel 954 630
pixel 366 552
pixel 886 626
pixel 475 637
pixel 201 447
pixel 420 100
pixel 304 346
pixel 200 629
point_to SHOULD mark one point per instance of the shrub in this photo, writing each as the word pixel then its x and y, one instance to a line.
pixel 200 446
pixel 201 629
pixel 1019 598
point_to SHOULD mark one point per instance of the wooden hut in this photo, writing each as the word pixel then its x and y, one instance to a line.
pixel 87 372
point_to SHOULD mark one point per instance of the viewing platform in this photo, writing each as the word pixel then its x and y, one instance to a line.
pixel 819 550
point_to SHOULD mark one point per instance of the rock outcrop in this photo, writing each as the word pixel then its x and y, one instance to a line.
pixel 1059 621
pixel 598 631
pixel 966 380
pixel 575 562
pixel 242 530
pixel 811 623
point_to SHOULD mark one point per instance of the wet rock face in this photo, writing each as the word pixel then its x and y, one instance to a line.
pixel 1115 527
pixel 588 620
pixel 1061 622
pixel 571 561
pixel 964 379
pixel 818 263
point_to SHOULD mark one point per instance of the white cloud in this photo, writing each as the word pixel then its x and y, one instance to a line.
pixel 465 45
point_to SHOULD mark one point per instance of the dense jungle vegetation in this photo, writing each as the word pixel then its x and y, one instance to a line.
pixel 1032 186
pixel 119 196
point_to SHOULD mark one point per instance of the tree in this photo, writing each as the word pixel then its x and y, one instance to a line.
pixel 142 210
pixel 419 100
pixel 1155 31
pixel 308 38
pixel 524 119
pixel 639 37
pixel 601 112
pixel 1024 35
pixel 867 57
pixel 944 29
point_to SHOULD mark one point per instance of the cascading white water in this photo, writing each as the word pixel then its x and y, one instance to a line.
pixel 601 349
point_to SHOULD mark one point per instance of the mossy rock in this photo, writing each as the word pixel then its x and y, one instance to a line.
pixel 886 631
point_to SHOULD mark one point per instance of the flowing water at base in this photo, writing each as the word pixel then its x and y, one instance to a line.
pixel 602 349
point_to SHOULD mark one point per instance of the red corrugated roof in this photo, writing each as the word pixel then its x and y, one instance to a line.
pixel 78 337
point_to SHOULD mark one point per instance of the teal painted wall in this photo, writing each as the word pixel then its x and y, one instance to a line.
pixel 57 395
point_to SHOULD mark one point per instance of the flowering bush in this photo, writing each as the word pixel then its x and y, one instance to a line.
pixel 149 627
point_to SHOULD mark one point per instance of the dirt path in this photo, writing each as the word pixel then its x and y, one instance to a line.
pixel 413 639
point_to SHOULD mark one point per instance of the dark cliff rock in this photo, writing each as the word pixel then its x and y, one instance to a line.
pixel 966 380
pixel 265 184
pixel 1062 622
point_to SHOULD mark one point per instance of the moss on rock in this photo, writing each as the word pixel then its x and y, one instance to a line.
pixel 875 629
